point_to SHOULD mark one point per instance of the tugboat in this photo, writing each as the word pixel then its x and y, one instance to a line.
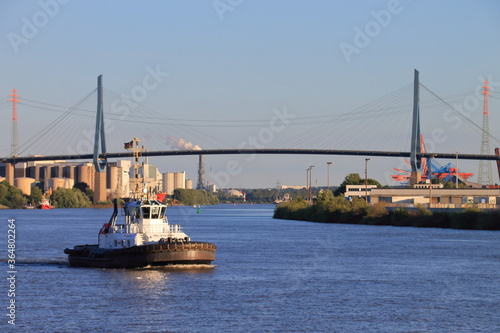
pixel 144 238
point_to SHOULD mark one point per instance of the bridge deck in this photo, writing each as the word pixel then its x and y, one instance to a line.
pixel 269 151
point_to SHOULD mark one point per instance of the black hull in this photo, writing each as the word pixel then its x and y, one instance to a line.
pixel 193 253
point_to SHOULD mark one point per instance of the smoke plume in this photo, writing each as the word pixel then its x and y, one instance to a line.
pixel 181 144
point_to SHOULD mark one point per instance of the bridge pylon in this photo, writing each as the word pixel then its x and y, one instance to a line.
pixel 99 147
pixel 415 161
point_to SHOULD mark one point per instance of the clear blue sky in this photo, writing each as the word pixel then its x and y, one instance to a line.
pixel 239 60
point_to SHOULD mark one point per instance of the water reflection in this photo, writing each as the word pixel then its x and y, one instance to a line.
pixel 151 277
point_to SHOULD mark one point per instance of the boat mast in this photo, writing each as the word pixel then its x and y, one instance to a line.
pixel 134 147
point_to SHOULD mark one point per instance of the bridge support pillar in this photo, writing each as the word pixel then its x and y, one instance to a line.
pixel 100 186
pixel 37 173
pixel 415 178
pixel 46 176
pixel 9 173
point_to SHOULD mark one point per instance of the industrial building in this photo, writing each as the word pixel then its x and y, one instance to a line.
pixel 437 197
pixel 431 195
pixel 360 191
pixel 51 175
pixel 175 180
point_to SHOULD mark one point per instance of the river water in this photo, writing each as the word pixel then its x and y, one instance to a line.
pixel 269 276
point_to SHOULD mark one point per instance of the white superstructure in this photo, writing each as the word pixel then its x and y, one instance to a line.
pixel 145 223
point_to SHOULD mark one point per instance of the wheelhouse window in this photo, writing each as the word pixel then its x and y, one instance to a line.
pixel 146 212
pixel 156 212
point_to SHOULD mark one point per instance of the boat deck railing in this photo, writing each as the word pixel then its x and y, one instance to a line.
pixel 135 228
pixel 166 228
pixel 124 228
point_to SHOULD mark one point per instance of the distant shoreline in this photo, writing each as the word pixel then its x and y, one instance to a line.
pixel 468 219
pixel 180 204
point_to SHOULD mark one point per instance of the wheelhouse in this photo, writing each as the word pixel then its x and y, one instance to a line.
pixel 145 210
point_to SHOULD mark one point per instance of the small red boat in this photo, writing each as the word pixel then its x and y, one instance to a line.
pixel 45 204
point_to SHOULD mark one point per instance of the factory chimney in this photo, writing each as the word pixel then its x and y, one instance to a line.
pixel 201 174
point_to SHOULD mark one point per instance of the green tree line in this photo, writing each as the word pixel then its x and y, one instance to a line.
pixel 194 197
pixel 12 197
pixel 70 198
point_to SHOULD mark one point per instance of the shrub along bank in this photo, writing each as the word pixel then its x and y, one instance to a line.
pixel 330 209
pixel 194 197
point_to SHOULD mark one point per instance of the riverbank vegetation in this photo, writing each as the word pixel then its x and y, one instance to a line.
pixel 194 197
pixel 262 195
pixel 70 198
pixel 11 196
pixel 330 209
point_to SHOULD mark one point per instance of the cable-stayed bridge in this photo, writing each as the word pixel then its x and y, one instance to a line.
pixel 384 127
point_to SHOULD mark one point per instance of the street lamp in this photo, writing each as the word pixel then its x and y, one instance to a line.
pixel 366 178
pixel 329 164
pixel 307 184
pixel 310 183
pixel 456 173
pixel 429 176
